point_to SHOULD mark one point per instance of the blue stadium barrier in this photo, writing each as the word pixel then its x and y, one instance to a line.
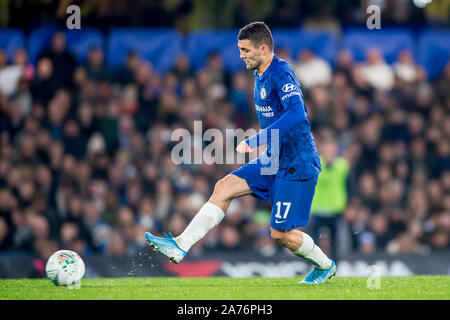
pixel 388 41
pixel 38 40
pixel 321 43
pixel 11 40
pixel 201 43
pixel 159 46
pixel 434 50
pixel 224 42
pixel 79 42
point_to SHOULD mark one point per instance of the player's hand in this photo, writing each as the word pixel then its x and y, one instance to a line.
pixel 243 147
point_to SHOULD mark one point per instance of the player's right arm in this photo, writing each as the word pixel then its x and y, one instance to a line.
pixel 243 147
pixel 291 99
pixel 282 126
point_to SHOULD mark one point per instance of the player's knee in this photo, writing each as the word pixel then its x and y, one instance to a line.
pixel 221 190
pixel 277 235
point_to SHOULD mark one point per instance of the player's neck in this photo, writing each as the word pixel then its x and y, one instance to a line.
pixel 263 67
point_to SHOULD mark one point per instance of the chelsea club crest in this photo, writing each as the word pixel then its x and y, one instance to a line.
pixel 263 93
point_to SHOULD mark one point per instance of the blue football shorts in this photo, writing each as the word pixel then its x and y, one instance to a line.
pixel 291 200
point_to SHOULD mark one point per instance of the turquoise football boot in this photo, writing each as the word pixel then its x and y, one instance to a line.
pixel 317 276
pixel 167 246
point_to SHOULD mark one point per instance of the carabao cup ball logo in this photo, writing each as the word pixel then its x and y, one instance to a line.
pixel 66 259
pixel 263 93
pixel 288 87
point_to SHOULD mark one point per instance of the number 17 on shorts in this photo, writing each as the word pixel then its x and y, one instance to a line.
pixel 291 203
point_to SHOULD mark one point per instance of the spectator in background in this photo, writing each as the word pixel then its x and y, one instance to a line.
pixel 126 74
pixel 5 235
pixel 117 246
pixel 285 54
pixel 367 243
pixel 3 58
pixel 376 72
pixel 63 61
pixel 181 68
pixel 95 67
pixel 241 97
pixel 215 70
pixel 45 84
pixel 330 199
pixel 404 67
pixel 403 243
pixel 379 227
pixel 230 239
pixel 312 70
pixel 10 75
pixel 344 63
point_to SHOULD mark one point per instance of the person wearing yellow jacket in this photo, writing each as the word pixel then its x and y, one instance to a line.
pixel 330 199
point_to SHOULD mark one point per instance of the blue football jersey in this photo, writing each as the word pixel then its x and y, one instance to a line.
pixel 275 91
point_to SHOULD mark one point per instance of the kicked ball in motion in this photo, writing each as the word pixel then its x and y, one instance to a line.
pixel 65 268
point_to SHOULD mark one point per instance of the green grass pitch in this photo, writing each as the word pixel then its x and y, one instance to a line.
pixel 221 288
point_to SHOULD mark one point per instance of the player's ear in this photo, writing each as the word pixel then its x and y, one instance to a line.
pixel 264 48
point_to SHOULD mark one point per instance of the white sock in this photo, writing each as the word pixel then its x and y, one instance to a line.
pixel 311 253
pixel 207 218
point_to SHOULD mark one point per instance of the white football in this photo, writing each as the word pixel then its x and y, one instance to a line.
pixel 421 3
pixel 65 268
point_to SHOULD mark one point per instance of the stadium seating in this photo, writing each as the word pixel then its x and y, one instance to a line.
pixel 321 43
pixel 38 40
pixel 79 42
pixel 200 44
pixel 388 41
pixel 434 51
pixel 148 43
pixel 430 48
pixel 11 40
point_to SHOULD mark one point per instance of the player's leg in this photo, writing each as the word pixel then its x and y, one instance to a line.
pixel 303 246
pixel 291 201
pixel 212 212
pixel 209 216
pixel 243 181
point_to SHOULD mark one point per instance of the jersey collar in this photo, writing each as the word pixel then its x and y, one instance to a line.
pixel 274 60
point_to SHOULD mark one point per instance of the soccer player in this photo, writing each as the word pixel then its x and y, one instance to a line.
pixel 286 173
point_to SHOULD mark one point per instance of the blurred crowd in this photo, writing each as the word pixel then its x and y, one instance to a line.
pixel 189 15
pixel 85 151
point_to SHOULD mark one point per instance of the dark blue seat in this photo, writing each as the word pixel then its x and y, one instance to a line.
pixel 224 42
pixel 11 40
pixel 434 51
pixel 38 40
pixel 79 42
pixel 159 46
pixel 322 44
pixel 388 41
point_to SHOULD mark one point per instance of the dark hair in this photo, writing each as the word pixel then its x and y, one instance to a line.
pixel 257 32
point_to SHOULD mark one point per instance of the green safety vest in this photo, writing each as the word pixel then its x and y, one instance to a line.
pixel 331 190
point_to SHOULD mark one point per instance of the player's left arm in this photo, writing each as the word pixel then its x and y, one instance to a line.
pixel 291 99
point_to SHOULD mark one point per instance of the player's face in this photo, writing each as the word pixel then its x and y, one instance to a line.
pixel 251 54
